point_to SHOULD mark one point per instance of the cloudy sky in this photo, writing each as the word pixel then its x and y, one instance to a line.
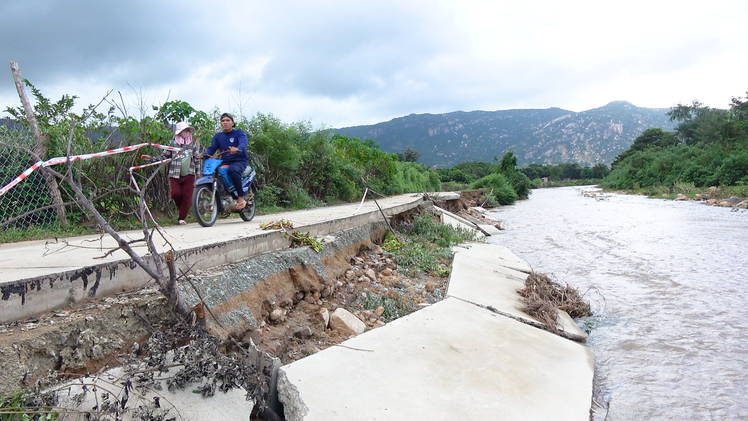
pixel 340 63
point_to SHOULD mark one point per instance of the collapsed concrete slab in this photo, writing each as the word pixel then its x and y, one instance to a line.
pixel 488 229
pixel 487 275
pixel 449 218
pixel 452 360
pixel 495 254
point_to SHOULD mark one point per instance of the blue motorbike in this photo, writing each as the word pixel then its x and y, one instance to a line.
pixel 215 194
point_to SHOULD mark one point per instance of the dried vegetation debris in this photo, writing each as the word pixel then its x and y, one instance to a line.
pixel 183 357
pixel 542 295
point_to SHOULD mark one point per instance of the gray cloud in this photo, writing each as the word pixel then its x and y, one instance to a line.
pixel 345 63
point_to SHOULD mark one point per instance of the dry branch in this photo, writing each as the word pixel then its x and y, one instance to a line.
pixel 542 296
pixel 40 145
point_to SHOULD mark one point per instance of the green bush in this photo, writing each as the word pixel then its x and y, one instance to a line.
pixel 268 196
pixel 412 177
pixel 521 184
pixel 734 170
pixel 496 188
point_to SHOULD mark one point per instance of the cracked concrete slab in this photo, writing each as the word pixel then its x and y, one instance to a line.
pixel 495 254
pixel 64 271
pixel 449 218
pixel 452 360
pixel 483 274
pixel 489 230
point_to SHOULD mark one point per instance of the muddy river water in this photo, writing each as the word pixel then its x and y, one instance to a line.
pixel 668 282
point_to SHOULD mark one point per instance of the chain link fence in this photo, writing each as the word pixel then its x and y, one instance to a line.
pixel 104 180
pixel 20 206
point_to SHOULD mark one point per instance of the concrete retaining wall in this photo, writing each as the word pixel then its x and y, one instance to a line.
pixel 42 276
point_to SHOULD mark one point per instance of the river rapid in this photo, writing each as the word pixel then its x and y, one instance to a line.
pixel 667 281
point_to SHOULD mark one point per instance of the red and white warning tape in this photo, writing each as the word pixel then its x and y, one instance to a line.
pixel 76 158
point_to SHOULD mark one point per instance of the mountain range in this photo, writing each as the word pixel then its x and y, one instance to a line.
pixel 536 136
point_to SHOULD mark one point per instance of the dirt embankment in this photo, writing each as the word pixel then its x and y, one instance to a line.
pixel 287 311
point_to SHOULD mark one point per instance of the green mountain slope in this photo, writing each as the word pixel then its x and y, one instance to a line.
pixel 547 136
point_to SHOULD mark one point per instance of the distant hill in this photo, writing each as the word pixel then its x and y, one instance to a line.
pixel 547 136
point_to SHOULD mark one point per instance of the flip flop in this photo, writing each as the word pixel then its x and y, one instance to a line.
pixel 241 205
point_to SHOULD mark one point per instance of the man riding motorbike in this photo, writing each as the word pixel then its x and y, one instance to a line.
pixel 232 143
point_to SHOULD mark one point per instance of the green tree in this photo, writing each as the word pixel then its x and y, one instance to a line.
pixel 508 163
pixel 475 169
pixel 454 175
pixel 599 171
pixel 378 166
pixel 700 124
pixel 650 138
pixel 409 155
pixel 521 184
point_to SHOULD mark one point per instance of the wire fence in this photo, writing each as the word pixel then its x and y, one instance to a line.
pixel 19 206
pixel 108 178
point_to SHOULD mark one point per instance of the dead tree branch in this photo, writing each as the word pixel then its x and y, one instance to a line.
pixel 41 144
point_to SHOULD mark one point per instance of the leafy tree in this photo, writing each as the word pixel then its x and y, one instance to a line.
pixel 454 175
pixel 414 177
pixel 739 108
pixel 709 147
pixel 174 111
pixel 599 171
pixel 378 166
pixel 475 169
pixel 508 163
pixel 699 123
pixel 521 184
pixel 276 148
pixel 409 155
pixel 535 171
pixel 650 138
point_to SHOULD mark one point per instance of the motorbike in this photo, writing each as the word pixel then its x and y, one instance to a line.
pixel 215 195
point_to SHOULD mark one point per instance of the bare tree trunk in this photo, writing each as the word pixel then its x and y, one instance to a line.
pixel 168 285
pixel 40 147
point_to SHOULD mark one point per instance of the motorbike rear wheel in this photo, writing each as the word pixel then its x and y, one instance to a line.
pixel 204 206
pixel 249 211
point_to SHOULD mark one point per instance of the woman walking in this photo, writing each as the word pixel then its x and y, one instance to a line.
pixel 181 169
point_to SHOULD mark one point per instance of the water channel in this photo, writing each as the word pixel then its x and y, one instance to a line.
pixel 668 282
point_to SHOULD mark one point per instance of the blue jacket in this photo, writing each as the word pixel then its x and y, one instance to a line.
pixel 221 142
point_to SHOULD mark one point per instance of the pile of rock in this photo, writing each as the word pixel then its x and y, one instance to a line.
pixel 374 281
pixel 708 199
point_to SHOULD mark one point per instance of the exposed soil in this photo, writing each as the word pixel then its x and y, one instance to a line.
pixel 371 286
pixel 91 335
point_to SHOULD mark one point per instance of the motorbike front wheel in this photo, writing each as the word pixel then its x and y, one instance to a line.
pixel 204 206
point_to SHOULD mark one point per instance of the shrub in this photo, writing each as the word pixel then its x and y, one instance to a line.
pixel 496 187
pixel 734 170
pixel 521 184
